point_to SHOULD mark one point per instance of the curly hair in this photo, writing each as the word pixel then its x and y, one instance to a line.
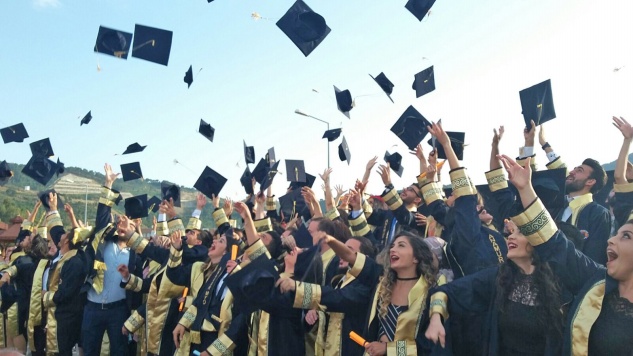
pixel 425 269
pixel 548 293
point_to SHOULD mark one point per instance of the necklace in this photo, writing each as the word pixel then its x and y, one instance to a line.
pixel 407 279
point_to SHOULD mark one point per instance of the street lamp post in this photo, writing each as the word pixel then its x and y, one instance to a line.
pixel 299 112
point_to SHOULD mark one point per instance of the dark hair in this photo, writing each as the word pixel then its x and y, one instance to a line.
pixel 342 232
pixel 326 226
pixel 39 247
pixel 205 237
pixel 344 216
pixel 548 293
pixel 366 247
pixel 597 173
pixel 275 247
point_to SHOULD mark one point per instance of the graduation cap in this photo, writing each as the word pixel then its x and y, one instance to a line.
pixel 411 127
pixel 332 135
pixel 86 120
pixel 395 162
pixel 118 198
pixel 253 286
pixel 131 171
pixel 113 42
pixel 424 82
pixel 419 8
pixel 246 180
pixel 42 148
pixel 15 133
pixel 549 186
pixel 206 130
pixel 295 171
pixel 293 203
pixel 302 236
pixel 310 179
pixel 210 183
pixel 40 168
pixel 152 44
pixel 305 28
pixel 153 204
pixel 344 101
pixel 343 151
pixel 249 153
pixel 136 207
pixel 60 167
pixel 170 191
pixel 134 148
pixel 5 171
pixel 537 103
pixel 260 170
pixel 268 178
pixel 270 157
pixel 43 197
pixel 189 77
pixel 457 142
pixel 385 84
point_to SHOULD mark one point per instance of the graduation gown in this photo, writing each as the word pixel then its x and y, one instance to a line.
pixel 384 219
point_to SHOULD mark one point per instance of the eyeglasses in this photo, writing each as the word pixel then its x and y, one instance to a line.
pixel 416 192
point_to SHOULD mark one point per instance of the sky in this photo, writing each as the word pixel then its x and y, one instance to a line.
pixel 249 78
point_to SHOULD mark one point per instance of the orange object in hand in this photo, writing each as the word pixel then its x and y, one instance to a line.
pixel 438 166
pixel 357 338
pixel 234 252
pixel 184 295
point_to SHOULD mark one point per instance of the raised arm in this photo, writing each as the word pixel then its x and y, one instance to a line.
pixel 312 202
pixel 327 190
pixel 494 152
pixel 368 168
pixel 619 174
pixel 249 227
pixel 443 139
pixel 419 153
pixel 71 215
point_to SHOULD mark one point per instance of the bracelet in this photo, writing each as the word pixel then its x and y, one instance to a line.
pixel 546 145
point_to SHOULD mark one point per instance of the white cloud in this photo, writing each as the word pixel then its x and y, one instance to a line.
pixel 44 4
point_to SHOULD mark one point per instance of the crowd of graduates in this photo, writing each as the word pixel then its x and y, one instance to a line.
pixel 529 264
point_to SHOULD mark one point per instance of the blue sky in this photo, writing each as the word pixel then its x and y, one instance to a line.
pixel 253 78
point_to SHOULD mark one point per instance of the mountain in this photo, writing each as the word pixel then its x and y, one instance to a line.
pixel 611 165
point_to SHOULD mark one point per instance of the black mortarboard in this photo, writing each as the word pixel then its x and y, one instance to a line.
pixel 343 151
pixel 253 286
pixel 293 203
pixel 86 120
pixel 411 127
pixel 131 171
pixel 385 84
pixel 210 183
pixel 170 191
pixel 344 101
pixel 136 207
pixel 152 44
pixel 332 135
pixel 259 172
pixel 40 168
pixel 15 133
pixel 134 148
pixel 118 198
pixel 113 42
pixel 537 103
pixel 246 180
pixel 5 171
pixel 305 28
pixel 310 179
pixel 42 148
pixel 448 190
pixel 419 8
pixel 270 157
pixel 189 77
pixel 602 196
pixel 302 236
pixel 249 153
pixel 43 197
pixel 549 186
pixel 295 171
pixel 268 178
pixel 153 204
pixel 395 162
pixel 424 82
pixel 206 130
pixel 457 142
pixel 61 167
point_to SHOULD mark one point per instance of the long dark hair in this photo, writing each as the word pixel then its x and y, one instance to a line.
pixel 548 293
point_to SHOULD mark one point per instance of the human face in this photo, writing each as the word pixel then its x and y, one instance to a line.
pixel 266 238
pixel 192 237
pixel 353 245
pixel 579 179
pixel 410 195
pixel 26 243
pixel 63 241
pixel 518 246
pixel 620 254
pixel 218 248
pixel 401 255
pixel 316 234
pixel 52 249
pixel 484 216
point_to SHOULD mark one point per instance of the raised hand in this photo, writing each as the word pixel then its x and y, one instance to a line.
pixel 625 128
pixel 326 175
pixel 176 239
pixel 419 152
pixel 440 135
pixel 36 207
pixel 52 201
pixel 339 191
pixel 385 174
pixel 124 271
pixel 154 223
pixel 541 135
pixel 242 209
pixel 228 207
pixel 519 176
pixel 355 200
pixel 496 138
pixel 110 176
pixel 201 201
pixel 371 164
pixel 215 200
pixel 169 208
pixel 529 134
